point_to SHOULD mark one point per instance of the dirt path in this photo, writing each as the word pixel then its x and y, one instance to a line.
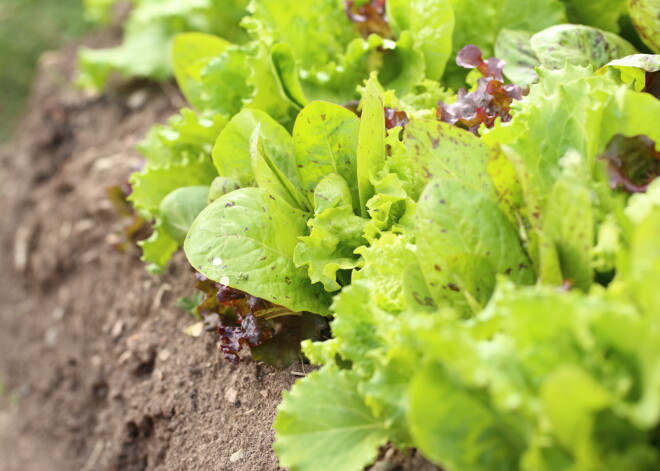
pixel 96 373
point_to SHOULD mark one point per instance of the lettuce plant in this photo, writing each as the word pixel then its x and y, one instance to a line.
pixel 481 334
pixel 488 277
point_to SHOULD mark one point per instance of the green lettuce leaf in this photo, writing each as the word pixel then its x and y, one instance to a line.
pixel 191 53
pixel 371 143
pixel 153 184
pixel 440 150
pixel 288 73
pixel 274 169
pixel 515 49
pixel 180 208
pixel 464 240
pixel 324 424
pixel 231 151
pixel 335 234
pixel 386 260
pixel 570 112
pixel 568 221
pixel 603 14
pixel 186 134
pixel 634 69
pixel 246 240
pixel 325 139
pixel 645 17
pixel 158 248
pixel 148 34
pixel 579 45
pixel 431 23
pixel 453 426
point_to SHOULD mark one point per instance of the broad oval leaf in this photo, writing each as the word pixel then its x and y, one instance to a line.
pixel 246 240
pixel 441 150
pixel 463 241
pixel 325 139
pixel 324 423
pixel 578 45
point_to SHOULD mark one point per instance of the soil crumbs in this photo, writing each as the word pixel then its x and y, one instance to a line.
pixel 95 372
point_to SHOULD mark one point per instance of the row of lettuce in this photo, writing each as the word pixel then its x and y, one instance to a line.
pixel 491 281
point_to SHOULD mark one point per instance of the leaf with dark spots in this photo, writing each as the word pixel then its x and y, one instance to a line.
pixel 453 287
pixel 632 162
pixel 439 150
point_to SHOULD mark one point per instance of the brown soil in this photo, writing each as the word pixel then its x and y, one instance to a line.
pixel 95 372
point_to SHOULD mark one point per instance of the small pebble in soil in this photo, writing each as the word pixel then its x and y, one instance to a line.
pixel 231 395
pixel 164 355
pixel 117 329
pixel 239 455
pixel 51 337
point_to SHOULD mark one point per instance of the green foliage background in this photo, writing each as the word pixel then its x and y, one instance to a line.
pixel 27 29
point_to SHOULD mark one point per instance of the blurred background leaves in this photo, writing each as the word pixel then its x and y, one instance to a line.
pixel 27 29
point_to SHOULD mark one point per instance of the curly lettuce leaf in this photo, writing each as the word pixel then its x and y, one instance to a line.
pixel 185 134
pixel 453 426
pixel 153 184
pixel 568 222
pixel 386 260
pixel 335 234
pixel 318 31
pixel 569 110
pixel 516 374
pixel 635 69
